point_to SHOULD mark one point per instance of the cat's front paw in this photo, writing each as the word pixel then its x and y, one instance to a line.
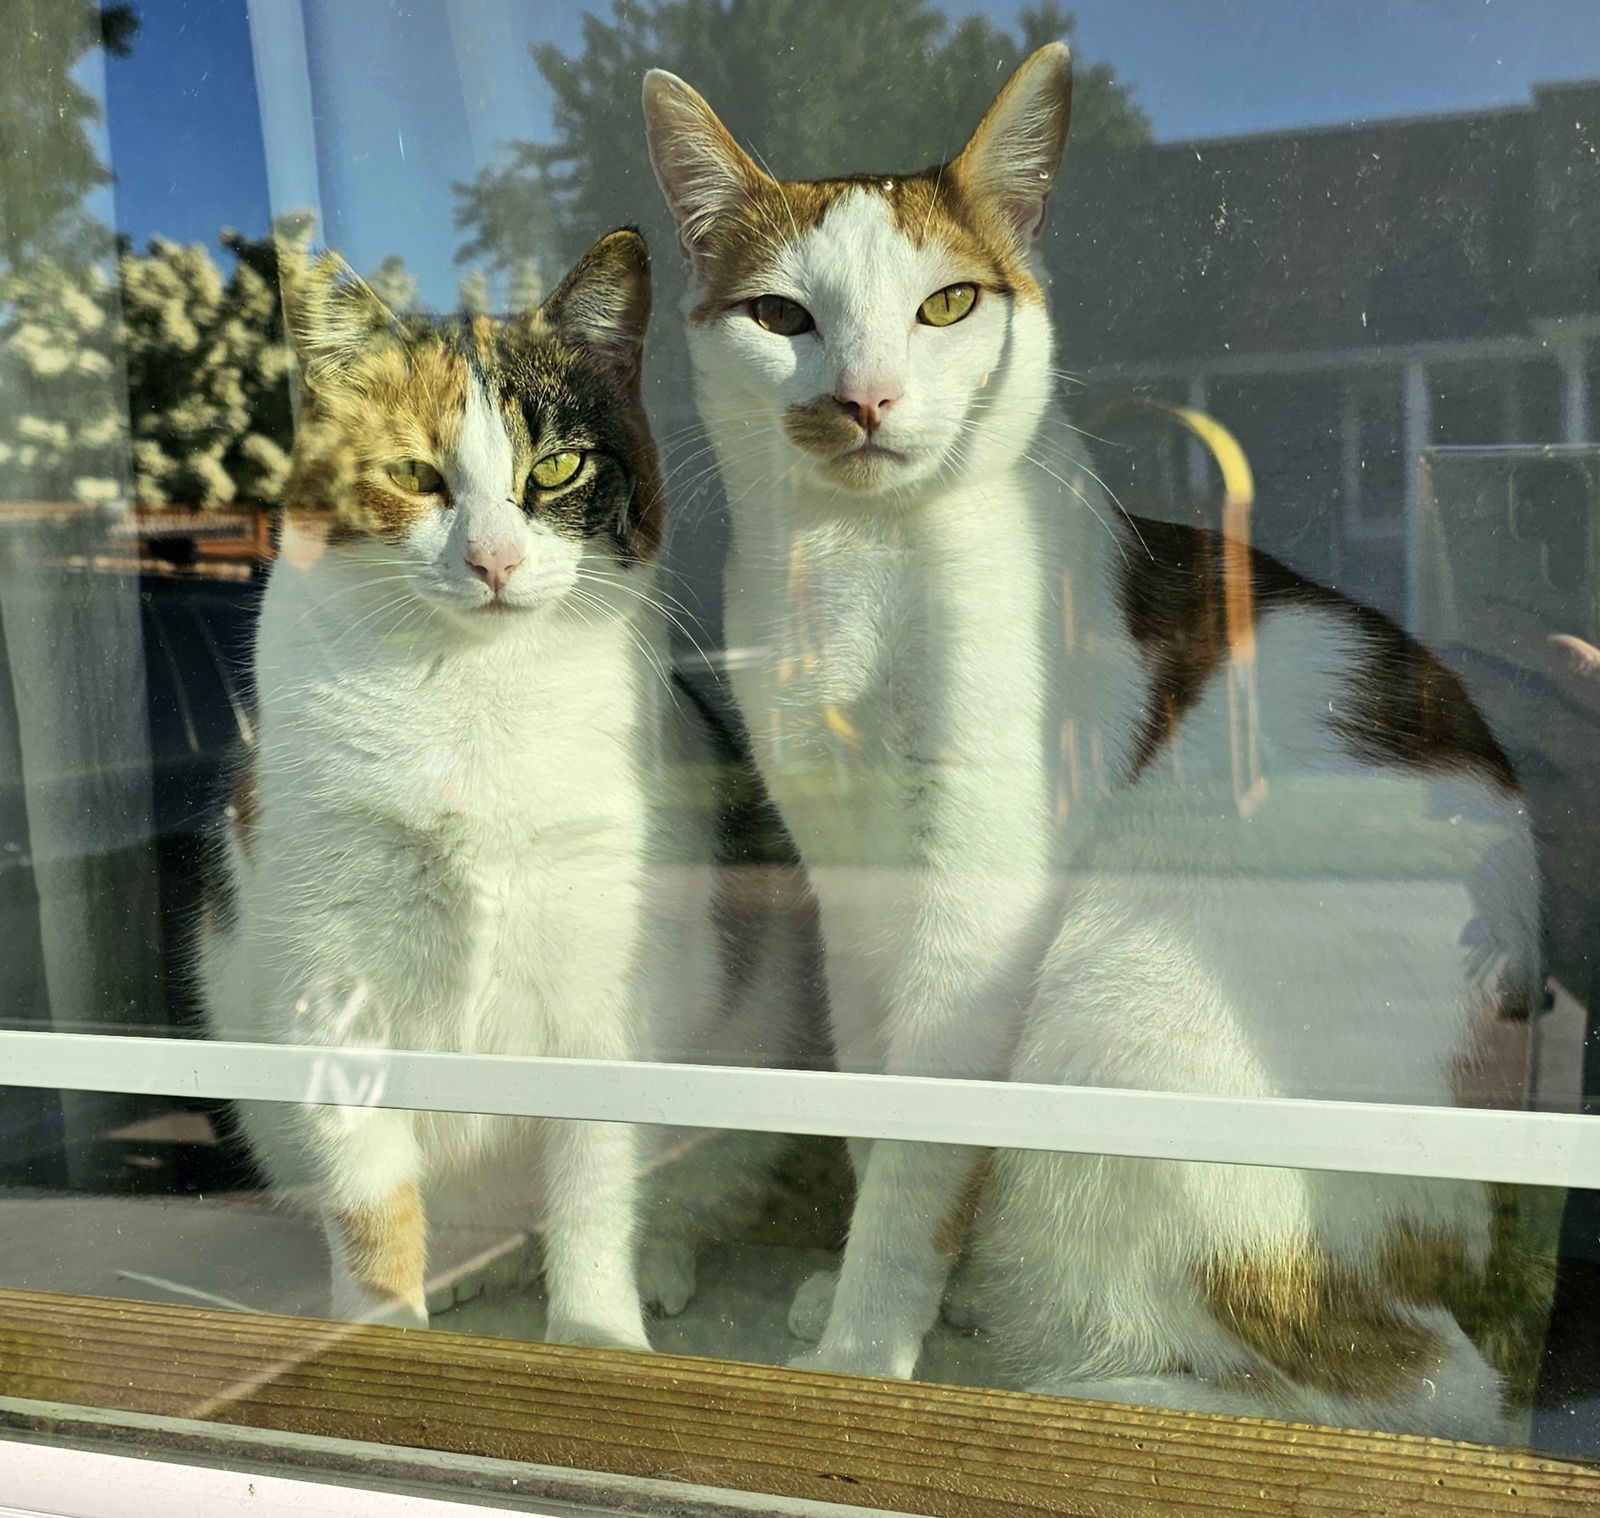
pixel 812 1305
pixel 666 1277
pixel 597 1335
pixel 352 1304
pixel 875 1360
pixel 810 1359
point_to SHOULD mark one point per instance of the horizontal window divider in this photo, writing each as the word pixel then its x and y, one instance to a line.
pixel 1528 1148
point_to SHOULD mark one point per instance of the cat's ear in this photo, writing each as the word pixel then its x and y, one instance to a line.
pixel 604 302
pixel 1011 160
pixel 331 314
pixel 701 170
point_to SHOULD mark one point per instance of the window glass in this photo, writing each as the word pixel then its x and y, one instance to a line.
pixel 549 533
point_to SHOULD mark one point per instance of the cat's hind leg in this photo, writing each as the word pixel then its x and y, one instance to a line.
pixel 1192 1284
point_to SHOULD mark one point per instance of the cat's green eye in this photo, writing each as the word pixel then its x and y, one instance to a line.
pixel 556 470
pixel 417 476
pixel 777 313
pixel 944 308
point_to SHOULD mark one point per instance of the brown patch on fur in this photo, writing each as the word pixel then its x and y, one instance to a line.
pixel 1427 1267
pixel 934 205
pixel 1502 1303
pixel 243 808
pixel 1403 707
pixel 823 427
pixel 1324 1326
pixel 379 388
pixel 983 205
pixel 386 1245
pixel 954 1226
pixel 746 236
pixel 399 399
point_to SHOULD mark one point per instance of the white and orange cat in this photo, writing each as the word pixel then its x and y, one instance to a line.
pixel 929 596
pixel 458 830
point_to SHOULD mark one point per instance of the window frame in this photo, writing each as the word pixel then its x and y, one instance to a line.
pixel 1557 1149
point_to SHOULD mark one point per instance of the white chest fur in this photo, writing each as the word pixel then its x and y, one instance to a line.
pixel 456 821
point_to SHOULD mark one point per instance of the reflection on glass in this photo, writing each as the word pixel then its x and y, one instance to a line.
pixel 1167 637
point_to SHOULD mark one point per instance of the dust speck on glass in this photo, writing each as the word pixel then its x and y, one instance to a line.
pixel 972 542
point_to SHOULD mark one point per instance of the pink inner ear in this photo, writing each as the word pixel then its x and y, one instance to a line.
pixel 1028 216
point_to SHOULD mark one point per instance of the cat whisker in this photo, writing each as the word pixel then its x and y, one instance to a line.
pixel 669 440
pixel 1094 437
pixel 659 607
pixel 665 595
pixel 709 448
pixel 1089 506
pixel 390 606
pixel 581 598
pixel 1082 463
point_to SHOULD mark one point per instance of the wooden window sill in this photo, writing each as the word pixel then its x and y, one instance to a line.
pixel 948 1452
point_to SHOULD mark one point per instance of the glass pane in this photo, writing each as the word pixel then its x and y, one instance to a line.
pixel 1448 1331
pixel 489 566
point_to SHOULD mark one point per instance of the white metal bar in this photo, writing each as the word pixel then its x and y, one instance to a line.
pixel 1528 1148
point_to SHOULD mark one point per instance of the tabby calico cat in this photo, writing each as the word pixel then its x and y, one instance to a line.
pixel 931 594
pixel 456 832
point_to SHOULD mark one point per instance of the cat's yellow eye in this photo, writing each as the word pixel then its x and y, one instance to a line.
pixel 417 476
pixel 556 470
pixel 777 313
pixel 944 308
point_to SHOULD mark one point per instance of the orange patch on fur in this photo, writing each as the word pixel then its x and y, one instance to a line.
pixel 395 400
pixel 386 1245
pixel 1323 1325
pixel 243 809
pixel 933 206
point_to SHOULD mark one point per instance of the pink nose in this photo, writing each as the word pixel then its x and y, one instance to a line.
pixel 494 566
pixel 867 401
